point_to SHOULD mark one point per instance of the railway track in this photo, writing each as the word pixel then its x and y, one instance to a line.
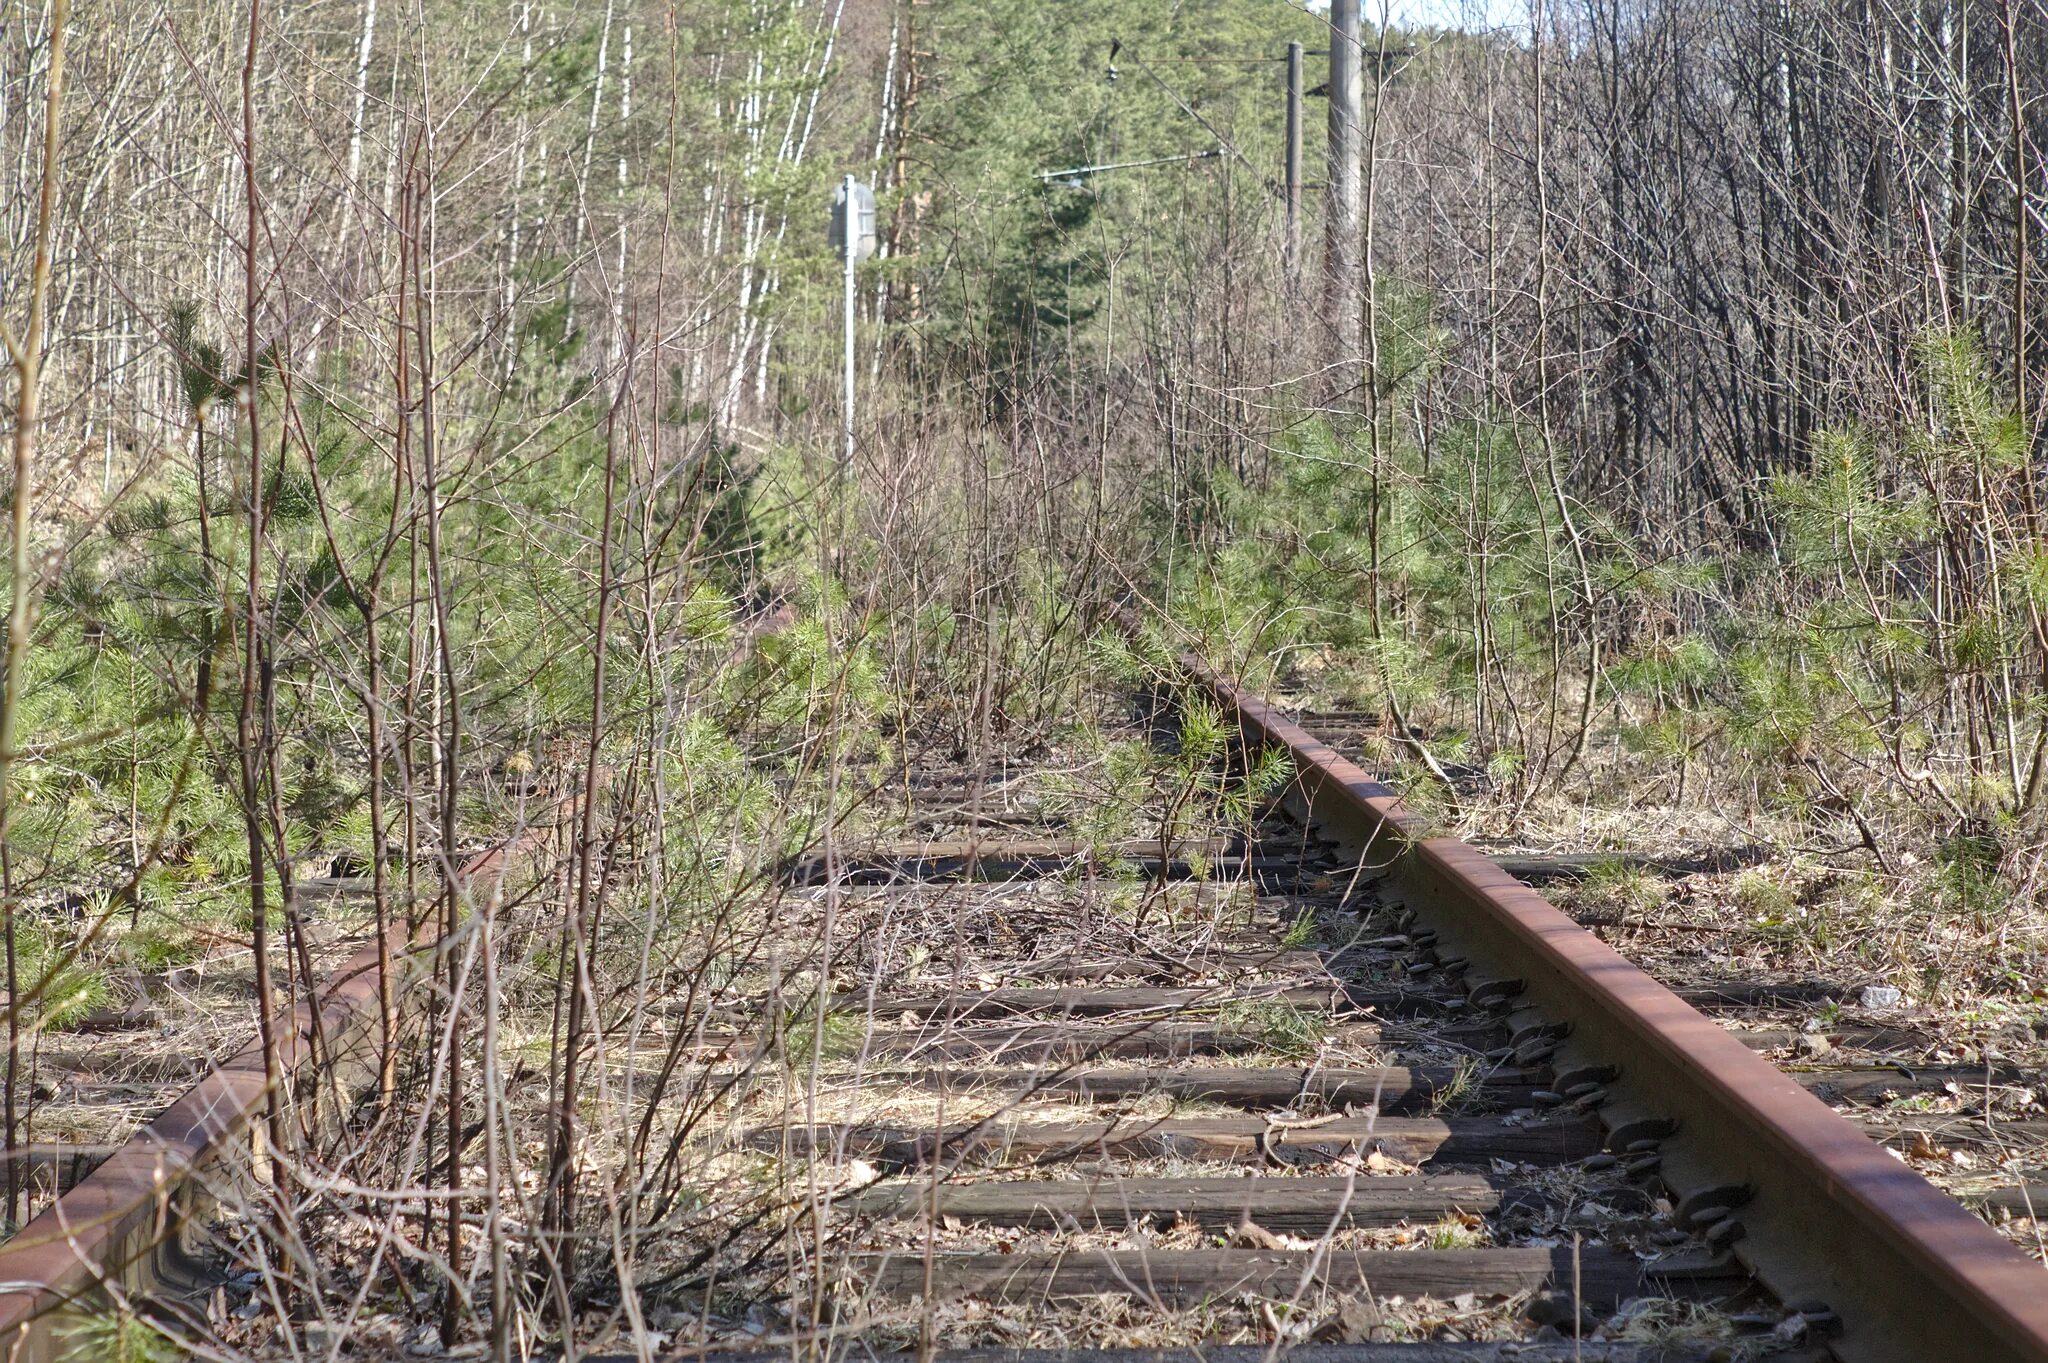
pixel 1307 1079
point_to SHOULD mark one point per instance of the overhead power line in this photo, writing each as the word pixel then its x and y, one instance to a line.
pixel 1075 172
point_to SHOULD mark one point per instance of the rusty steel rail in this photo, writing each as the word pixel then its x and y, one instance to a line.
pixel 120 1232
pixel 1829 1216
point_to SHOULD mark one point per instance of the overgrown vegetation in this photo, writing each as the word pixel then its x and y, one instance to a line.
pixel 419 415
pixel 1869 676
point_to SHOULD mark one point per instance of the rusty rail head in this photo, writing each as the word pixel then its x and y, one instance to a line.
pixel 117 1231
pixel 1833 1216
pixel 113 1232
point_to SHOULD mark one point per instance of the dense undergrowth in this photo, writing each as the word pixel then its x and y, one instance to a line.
pixel 1858 678
pixel 376 516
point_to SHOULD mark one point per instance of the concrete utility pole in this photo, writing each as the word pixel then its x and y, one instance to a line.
pixel 1342 295
pixel 1293 258
pixel 850 255
pixel 853 232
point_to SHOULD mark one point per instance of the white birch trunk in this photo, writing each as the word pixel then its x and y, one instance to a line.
pixel 363 49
